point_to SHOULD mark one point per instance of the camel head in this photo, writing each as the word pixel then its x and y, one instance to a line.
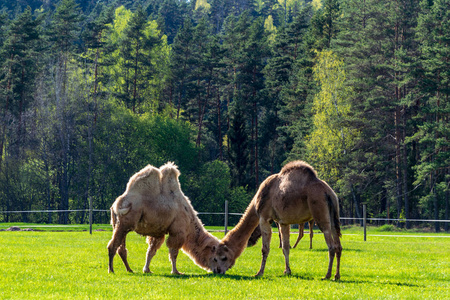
pixel 222 259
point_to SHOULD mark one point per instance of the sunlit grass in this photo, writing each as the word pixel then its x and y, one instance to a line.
pixel 73 265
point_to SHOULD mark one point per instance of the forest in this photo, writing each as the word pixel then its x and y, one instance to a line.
pixel 230 90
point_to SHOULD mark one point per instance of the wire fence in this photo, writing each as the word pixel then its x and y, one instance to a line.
pixel 83 217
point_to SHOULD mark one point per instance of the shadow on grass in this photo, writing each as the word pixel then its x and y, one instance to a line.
pixel 407 284
pixel 304 277
pixel 209 275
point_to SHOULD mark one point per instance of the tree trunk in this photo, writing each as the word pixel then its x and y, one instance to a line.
pixel 356 202
pixel 219 126
pixel 405 171
pixel 437 226
pixel 398 161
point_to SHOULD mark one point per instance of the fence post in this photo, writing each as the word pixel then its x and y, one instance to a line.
pixel 90 215
pixel 365 220
pixel 226 216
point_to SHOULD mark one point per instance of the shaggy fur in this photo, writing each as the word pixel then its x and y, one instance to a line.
pixel 153 205
pixel 294 196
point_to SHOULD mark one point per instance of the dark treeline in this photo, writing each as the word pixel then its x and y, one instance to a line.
pixel 230 90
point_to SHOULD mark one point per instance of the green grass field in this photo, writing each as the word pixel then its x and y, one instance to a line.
pixel 73 265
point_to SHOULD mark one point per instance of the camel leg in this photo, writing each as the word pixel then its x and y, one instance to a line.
pixel 175 241
pixel 331 250
pixel 301 229
pixel 266 233
pixel 122 251
pixel 153 245
pixel 311 233
pixel 173 254
pixel 116 241
pixel 286 247
pixel 279 235
pixel 338 248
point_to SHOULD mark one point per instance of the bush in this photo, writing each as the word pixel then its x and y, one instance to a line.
pixel 387 227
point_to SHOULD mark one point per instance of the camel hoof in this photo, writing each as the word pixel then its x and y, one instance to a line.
pixel 287 272
pixel 147 271
pixel 259 274
pixel 177 273
pixel 337 277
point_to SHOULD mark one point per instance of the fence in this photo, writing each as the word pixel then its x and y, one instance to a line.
pixel 226 215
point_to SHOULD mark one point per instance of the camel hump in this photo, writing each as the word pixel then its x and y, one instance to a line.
pixel 169 178
pixel 299 165
pixel 145 181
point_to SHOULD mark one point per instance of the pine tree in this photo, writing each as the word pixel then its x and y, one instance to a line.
pixel 238 152
pixel 21 65
pixel 375 38
pixel 433 34
pixel 181 64
pixel 136 45
pixel 64 31
pixel 288 49
pixel 246 48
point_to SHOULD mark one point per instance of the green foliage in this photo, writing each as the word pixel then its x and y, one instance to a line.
pixel 138 63
pixel 331 138
pixel 387 228
pixel 92 92
pixel 126 143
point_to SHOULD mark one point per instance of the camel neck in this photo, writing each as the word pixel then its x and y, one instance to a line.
pixel 238 237
pixel 199 243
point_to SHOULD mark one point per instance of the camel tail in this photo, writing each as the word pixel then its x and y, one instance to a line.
pixel 113 218
pixel 333 204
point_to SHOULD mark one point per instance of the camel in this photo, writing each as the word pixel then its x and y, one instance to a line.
pixel 153 205
pixel 293 196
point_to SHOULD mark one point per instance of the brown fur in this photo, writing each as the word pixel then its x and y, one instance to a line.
pixel 294 196
pixel 154 205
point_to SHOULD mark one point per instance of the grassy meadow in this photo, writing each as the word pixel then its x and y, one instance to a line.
pixel 73 265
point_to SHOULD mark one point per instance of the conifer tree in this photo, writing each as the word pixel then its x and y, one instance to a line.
pixel 287 51
pixel 21 65
pixel 377 70
pixel 64 31
pixel 181 64
pixel 433 34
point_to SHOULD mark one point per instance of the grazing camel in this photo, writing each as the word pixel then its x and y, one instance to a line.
pixel 153 205
pixel 293 196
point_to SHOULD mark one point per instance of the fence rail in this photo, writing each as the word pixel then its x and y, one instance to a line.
pixel 219 213
pixel 226 215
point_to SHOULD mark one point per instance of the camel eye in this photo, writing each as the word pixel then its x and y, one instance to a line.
pixel 225 258
pixel 215 259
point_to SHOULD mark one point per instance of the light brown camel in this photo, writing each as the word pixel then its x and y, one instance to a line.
pixel 153 205
pixel 293 196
